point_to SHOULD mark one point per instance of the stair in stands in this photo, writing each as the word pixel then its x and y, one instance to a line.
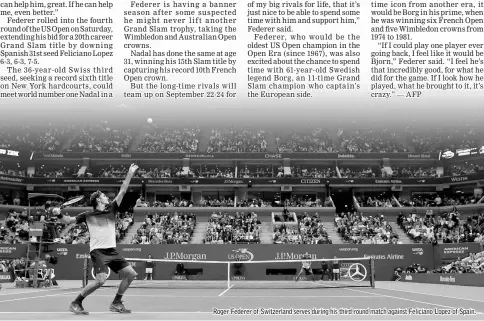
pixel 271 142
pixel 266 231
pixel 131 232
pixel 67 144
pixel 200 233
pixel 204 139
pixel 139 137
pixel 402 236
pixel 332 232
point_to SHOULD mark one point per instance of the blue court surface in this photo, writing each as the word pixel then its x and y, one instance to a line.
pixel 301 301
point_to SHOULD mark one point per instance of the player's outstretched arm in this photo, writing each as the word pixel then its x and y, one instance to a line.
pixel 132 170
pixel 66 219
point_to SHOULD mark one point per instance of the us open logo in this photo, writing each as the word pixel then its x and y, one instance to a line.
pixel 241 255
pixel 418 251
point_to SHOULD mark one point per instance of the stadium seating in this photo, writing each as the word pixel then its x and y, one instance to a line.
pixel 166 228
pixel 227 229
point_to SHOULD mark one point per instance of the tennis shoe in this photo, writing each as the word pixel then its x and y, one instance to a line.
pixel 118 307
pixel 77 308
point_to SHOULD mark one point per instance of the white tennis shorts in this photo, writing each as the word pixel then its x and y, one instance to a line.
pixel 149 270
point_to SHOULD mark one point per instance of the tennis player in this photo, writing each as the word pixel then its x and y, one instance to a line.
pixel 149 268
pixel 306 267
pixel 101 223
pixel 336 271
pixel 325 269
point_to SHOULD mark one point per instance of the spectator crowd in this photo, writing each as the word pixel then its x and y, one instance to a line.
pixel 446 227
pixel 166 228
pixel 361 229
pixel 232 229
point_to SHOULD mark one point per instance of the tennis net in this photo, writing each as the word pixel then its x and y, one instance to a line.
pixel 162 273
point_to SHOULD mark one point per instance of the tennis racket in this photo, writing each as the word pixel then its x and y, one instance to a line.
pixel 72 201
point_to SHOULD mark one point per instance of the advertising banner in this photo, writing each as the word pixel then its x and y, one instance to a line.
pixel 236 156
pixel 465 279
pixel 242 181
pixel 14 154
pixel 451 252
pixel 13 251
pixel 386 257
pixel 70 265
pixel 463 153
pixel 6 277
pixel 36 229
pixel 70 262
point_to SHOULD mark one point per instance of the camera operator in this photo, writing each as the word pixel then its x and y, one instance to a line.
pixel 45 269
pixel 415 268
pixel 397 275
pixel 180 269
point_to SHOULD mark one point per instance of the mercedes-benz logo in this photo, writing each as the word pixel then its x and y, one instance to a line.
pixel 357 272
pixel 94 275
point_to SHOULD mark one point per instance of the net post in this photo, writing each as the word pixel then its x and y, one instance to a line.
pixel 228 275
pixel 372 272
pixel 84 274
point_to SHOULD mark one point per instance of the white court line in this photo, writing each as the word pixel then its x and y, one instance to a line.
pixel 226 290
pixel 51 295
pixel 237 296
pixel 38 297
pixel 439 295
pixel 37 291
pixel 405 299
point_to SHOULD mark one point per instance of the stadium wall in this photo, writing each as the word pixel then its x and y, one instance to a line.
pixel 387 257
pixel 140 212
pixel 465 279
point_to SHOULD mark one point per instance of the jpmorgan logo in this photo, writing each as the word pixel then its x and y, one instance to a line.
pixel 185 256
pixel 408 278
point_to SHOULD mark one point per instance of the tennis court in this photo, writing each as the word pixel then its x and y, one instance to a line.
pixel 190 300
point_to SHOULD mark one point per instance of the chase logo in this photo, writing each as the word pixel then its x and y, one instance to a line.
pixel 448 154
pixel 408 278
pixel 418 251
